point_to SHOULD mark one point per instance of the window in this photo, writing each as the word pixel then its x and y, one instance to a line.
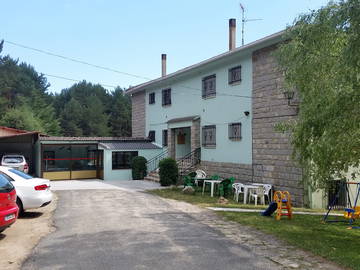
pixel 21 174
pixel 152 98
pixel 235 75
pixel 5 185
pixel 152 135
pixel 166 97
pixel 209 135
pixel 123 160
pixel 165 137
pixel 50 156
pixel 235 131
pixel 209 86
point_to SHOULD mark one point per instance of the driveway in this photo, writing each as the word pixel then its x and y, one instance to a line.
pixel 122 228
pixel 118 226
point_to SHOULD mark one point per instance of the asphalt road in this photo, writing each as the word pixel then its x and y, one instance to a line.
pixel 119 229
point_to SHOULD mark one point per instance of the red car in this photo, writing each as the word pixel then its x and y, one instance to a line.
pixel 8 209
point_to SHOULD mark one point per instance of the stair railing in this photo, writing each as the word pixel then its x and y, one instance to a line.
pixel 153 164
pixel 187 162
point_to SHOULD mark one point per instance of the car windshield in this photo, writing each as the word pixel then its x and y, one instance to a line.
pixel 13 159
pixel 5 185
pixel 21 174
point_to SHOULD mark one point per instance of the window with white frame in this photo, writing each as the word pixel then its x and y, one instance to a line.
pixel 209 86
pixel 235 131
pixel 209 136
pixel 235 75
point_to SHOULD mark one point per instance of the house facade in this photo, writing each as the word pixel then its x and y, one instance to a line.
pixel 226 106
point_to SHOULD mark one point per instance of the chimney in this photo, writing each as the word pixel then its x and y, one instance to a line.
pixel 163 65
pixel 232 34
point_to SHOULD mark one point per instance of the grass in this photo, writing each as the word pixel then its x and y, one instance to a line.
pixel 332 241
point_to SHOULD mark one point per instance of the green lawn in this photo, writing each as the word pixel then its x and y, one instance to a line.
pixel 332 240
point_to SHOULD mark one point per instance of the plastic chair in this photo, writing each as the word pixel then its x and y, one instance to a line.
pixel 268 191
pixel 200 174
pixel 188 181
pixel 238 189
pixel 225 186
pixel 258 193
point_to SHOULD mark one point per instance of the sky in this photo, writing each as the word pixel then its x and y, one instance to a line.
pixel 130 36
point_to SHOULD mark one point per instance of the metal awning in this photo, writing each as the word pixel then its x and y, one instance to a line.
pixel 128 145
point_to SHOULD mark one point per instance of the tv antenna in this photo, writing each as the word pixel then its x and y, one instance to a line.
pixel 243 21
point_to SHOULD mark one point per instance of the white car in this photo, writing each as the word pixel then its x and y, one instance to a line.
pixel 15 161
pixel 31 192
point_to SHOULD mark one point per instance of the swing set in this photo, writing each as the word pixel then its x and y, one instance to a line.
pixel 351 212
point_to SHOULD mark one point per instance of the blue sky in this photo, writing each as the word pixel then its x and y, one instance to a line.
pixel 130 36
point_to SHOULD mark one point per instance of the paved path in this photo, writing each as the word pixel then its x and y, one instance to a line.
pixel 121 228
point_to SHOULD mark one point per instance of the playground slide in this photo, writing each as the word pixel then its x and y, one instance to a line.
pixel 270 210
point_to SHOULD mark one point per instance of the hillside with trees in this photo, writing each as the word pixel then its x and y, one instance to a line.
pixel 84 109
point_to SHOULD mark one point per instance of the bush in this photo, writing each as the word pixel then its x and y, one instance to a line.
pixel 139 168
pixel 169 172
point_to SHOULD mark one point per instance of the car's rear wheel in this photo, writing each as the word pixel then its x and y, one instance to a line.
pixel 2 230
pixel 20 205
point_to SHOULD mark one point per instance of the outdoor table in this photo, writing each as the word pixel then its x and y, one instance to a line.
pixel 247 187
pixel 212 182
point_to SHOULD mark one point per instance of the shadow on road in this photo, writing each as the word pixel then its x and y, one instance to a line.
pixel 31 215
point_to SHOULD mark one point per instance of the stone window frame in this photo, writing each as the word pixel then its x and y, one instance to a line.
pixel 152 98
pixel 165 137
pixel 233 130
pixel 208 88
pixel 151 135
pixel 233 77
pixel 166 97
pixel 209 136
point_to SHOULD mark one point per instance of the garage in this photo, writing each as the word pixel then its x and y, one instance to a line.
pixel 14 141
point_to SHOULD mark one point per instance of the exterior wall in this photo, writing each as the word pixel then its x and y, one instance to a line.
pixel 138 115
pixel 241 172
pixel 123 174
pixel 272 151
pixel 221 110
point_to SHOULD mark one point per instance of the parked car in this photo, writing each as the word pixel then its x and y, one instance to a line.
pixel 31 192
pixel 8 209
pixel 15 161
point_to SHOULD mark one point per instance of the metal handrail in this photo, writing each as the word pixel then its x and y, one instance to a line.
pixel 189 161
pixel 153 164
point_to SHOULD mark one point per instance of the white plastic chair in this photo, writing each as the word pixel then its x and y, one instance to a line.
pixel 239 188
pixel 259 192
pixel 268 191
pixel 200 174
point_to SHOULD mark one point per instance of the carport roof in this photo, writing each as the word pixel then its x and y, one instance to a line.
pixel 129 145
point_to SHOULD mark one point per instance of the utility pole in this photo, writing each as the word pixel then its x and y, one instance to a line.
pixel 243 21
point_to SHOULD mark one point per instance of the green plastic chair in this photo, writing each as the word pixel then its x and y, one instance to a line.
pixel 215 177
pixel 188 181
pixel 225 187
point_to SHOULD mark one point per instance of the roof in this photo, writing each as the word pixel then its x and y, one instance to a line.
pixel 19 135
pixel 97 139
pixel 14 130
pixel 183 119
pixel 129 145
pixel 274 38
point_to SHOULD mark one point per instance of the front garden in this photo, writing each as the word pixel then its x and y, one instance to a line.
pixel 332 241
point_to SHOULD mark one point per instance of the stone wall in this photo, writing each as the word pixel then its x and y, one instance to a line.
pixel 241 172
pixel 195 134
pixel 272 150
pixel 138 115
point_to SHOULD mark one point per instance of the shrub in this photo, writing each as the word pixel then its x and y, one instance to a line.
pixel 168 171
pixel 139 168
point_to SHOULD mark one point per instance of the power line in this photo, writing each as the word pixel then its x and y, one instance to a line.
pixel 76 60
pixel 75 80
pixel 218 93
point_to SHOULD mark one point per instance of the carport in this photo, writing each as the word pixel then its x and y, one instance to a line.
pixel 22 144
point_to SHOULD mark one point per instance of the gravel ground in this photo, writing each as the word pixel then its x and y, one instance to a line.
pixel 17 242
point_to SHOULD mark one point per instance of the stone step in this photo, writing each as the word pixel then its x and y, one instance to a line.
pixel 152 178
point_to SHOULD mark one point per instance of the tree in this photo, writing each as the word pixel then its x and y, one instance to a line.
pixel 120 116
pixel 321 60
